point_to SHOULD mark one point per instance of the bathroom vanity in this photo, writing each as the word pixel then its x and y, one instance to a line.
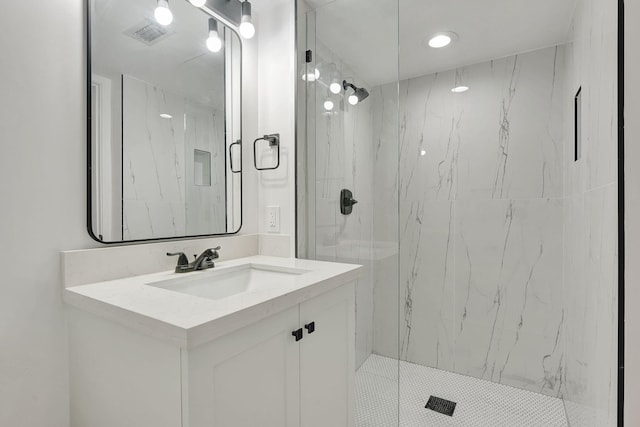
pixel 256 341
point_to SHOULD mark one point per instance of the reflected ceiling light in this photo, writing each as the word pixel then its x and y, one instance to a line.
pixel 312 76
pixel 198 3
pixel 166 116
pixel 247 30
pixel 162 13
pixel 442 39
pixel 214 43
pixel 423 152
pixel 460 89
pixel 335 86
pixel 358 95
pixel 328 105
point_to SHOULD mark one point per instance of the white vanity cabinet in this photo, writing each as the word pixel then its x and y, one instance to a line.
pixel 255 376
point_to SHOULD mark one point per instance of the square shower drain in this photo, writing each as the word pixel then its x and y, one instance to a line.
pixel 441 405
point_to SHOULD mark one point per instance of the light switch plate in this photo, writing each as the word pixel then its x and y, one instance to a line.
pixel 273 219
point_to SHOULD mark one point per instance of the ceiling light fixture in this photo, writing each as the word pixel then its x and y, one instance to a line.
pixel 358 95
pixel 198 3
pixel 162 13
pixel 460 89
pixel 247 30
pixel 441 39
pixel 335 88
pixel 166 116
pixel 214 43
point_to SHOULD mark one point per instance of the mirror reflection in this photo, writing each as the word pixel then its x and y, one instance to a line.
pixel 165 122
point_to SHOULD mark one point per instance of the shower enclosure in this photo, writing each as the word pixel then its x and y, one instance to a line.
pixel 485 174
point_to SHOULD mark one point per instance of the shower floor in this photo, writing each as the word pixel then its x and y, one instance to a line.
pixel 480 403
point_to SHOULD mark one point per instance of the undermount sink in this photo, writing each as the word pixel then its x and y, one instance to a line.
pixel 218 284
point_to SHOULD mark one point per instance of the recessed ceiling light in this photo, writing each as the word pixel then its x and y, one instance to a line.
pixel 460 89
pixel 166 116
pixel 441 39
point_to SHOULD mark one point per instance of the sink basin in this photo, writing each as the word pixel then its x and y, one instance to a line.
pixel 218 284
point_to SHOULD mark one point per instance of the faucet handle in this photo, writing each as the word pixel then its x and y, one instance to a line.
pixel 182 260
pixel 215 254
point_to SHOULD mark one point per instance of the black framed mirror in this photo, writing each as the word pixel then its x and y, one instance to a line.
pixel 164 121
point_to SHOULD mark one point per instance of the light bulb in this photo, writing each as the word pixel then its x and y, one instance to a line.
pixel 162 13
pixel 460 89
pixel 214 44
pixel 353 100
pixel 198 3
pixel 335 87
pixel 328 105
pixel 423 152
pixel 247 30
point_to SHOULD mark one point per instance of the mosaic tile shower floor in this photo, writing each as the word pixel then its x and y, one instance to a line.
pixel 480 403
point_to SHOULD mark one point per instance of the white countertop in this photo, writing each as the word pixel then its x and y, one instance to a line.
pixel 187 320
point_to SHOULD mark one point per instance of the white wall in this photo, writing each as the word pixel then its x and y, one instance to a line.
pixel 42 188
pixel 276 83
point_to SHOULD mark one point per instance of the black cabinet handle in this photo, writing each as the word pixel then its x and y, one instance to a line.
pixel 310 327
pixel 297 334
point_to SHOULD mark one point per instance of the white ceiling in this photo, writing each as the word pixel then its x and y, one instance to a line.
pixel 179 63
pixel 262 5
pixel 365 32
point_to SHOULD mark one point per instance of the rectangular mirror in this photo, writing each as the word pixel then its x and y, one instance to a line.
pixel 164 130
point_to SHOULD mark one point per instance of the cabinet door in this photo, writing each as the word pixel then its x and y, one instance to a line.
pixel 327 360
pixel 248 378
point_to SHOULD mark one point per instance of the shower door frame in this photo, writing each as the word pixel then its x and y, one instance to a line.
pixel 621 214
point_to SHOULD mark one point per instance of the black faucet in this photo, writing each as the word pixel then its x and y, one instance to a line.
pixel 202 262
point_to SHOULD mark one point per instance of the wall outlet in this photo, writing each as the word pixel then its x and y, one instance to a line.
pixel 273 219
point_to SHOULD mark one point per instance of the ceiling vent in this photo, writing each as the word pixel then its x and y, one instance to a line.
pixel 148 32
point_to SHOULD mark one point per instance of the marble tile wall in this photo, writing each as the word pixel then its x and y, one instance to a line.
pixel 590 276
pixel 480 222
pixel 343 159
pixel 385 220
pixel 205 204
pixel 153 162
pixel 158 165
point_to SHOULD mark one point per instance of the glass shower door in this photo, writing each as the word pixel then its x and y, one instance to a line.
pixel 347 171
